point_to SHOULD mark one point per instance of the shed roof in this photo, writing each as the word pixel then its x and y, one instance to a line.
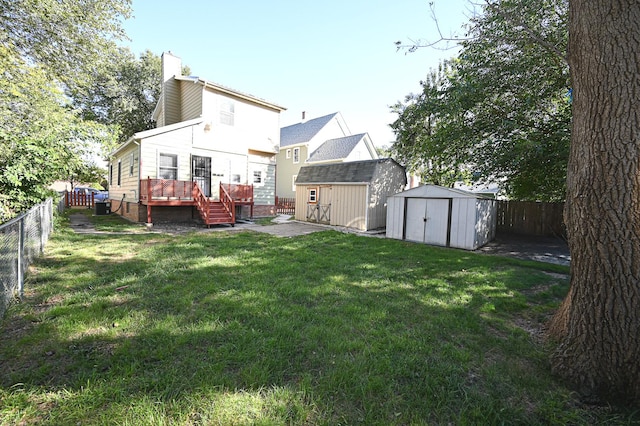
pixel 303 132
pixel 336 149
pixel 350 172
pixel 435 191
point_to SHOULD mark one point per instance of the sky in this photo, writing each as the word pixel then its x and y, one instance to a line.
pixel 315 56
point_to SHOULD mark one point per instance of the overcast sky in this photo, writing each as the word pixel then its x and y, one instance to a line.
pixel 314 56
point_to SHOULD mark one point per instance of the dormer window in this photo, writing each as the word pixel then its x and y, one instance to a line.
pixel 227 112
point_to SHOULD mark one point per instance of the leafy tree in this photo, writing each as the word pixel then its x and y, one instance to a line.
pixel 69 39
pixel 41 139
pixel 45 47
pixel 499 111
pixel 125 93
pixel 598 325
pixel 424 131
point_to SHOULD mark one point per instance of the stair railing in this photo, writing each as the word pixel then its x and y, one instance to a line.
pixel 228 203
pixel 202 202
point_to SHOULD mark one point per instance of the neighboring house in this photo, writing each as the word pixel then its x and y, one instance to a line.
pixel 211 158
pixel 352 194
pixel 320 140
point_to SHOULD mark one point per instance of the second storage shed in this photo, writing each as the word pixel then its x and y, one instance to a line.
pixel 441 216
pixel 352 194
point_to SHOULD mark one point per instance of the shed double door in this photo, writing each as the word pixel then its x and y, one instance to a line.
pixel 320 210
pixel 427 220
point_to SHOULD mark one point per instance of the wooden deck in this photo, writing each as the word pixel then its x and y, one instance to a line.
pixel 169 192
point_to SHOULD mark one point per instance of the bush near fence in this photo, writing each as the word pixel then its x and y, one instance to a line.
pixel 22 240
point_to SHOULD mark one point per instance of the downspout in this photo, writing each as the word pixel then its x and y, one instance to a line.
pixel 137 196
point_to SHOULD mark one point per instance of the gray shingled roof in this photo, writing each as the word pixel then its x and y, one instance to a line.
pixel 303 132
pixel 335 149
pixel 349 172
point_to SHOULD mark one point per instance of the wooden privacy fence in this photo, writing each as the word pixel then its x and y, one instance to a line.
pixel 531 218
pixel 285 205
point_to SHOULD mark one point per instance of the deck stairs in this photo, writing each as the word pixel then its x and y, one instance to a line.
pixel 217 214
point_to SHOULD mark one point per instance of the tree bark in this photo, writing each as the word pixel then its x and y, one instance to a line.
pixel 597 328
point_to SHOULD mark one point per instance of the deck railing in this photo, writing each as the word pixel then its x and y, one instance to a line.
pixel 202 202
pixel 228 203
pixel 167 189
pixel 240 193
pixel 74 199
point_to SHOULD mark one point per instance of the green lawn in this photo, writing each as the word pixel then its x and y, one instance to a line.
pixel 243 328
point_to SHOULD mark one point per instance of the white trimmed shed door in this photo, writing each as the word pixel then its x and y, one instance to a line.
pixel 427 220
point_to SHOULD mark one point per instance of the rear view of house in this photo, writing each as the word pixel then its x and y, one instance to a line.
pixel 210 159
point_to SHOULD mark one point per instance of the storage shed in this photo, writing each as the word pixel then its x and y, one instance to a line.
pixel 352 194
pixel 441 216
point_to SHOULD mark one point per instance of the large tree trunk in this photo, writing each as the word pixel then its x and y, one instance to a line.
pixel 598 325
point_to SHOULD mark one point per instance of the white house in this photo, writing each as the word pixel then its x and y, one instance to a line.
pixel 213 145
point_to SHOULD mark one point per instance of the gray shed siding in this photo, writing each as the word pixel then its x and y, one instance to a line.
pixel 470 219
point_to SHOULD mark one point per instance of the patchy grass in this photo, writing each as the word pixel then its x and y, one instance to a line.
pixel 247 328
pixel 106 223
pixel 264 221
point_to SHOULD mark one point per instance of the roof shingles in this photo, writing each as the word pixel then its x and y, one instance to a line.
pixel 336 149
pixel 303 132
pixel 350 172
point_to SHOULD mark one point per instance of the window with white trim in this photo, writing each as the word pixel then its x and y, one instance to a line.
pixel 168 166
pixel 119 172
pixel 313 195
pixel 288 155
pixel 296 155
pixel 227 110
pixel 131 160
pixel 257 177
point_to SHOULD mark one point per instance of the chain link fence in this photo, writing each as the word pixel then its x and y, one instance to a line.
pixel 22 239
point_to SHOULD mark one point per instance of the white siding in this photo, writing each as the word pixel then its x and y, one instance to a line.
pixel 463 218
pixel 395 217
pixel 176 142
pixel 128 183
pixel 361 152
pixel 254 126
pixel 486 213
